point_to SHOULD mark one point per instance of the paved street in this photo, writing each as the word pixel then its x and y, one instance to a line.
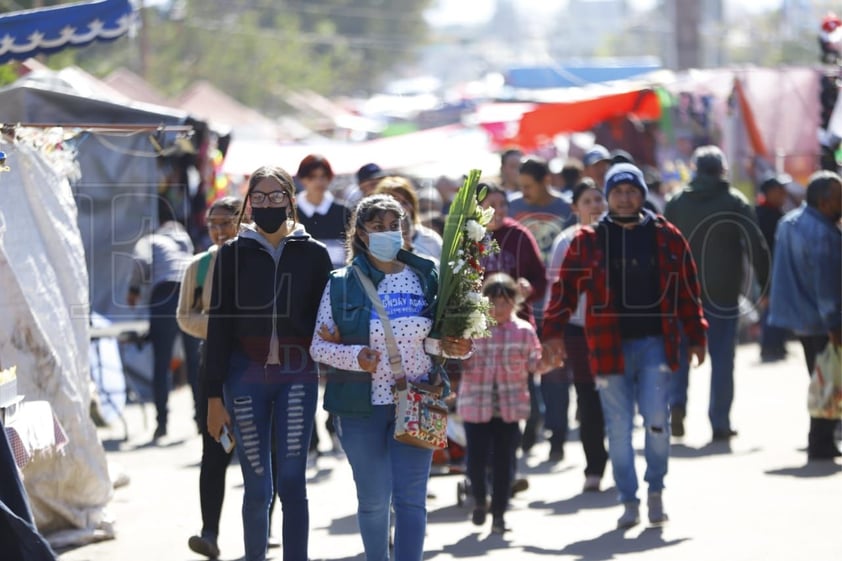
pixel 755 499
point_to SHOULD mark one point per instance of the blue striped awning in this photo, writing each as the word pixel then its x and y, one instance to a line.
pixel 48 30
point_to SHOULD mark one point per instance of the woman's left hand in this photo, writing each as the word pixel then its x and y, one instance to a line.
pixel 328 335
pixel 456 346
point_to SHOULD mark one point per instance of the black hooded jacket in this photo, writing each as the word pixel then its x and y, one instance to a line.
pixel 261 293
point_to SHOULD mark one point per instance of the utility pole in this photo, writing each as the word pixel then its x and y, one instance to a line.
pixel 144 42
pixel 686 25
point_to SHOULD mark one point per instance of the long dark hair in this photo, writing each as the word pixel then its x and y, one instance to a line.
pixel 369 208
pixel 280 175
pixel 501 284
pixel 231 204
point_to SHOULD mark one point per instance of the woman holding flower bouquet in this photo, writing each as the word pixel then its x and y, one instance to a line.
pixel 350 339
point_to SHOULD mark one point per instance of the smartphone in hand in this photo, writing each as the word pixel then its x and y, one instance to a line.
pixel 226 439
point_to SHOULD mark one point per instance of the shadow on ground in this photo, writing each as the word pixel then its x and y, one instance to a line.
pixel 679 450
pixel 607 498
pixel 610 545
pixel 472 546
pixel 345 525
pixel 810 469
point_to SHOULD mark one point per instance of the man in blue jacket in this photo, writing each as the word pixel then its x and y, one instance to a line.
pixel 807 285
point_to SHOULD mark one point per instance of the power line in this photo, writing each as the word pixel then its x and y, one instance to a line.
pixel 377 43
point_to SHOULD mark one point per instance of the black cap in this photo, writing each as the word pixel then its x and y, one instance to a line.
pixel 619 156
pixel 369 171
pixel 774 181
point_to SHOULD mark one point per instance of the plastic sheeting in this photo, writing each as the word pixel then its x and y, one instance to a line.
pixel 115 196
pixel 546 121
pixel 44 331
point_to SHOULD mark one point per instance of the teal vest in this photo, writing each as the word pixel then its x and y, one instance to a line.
pixel 348 392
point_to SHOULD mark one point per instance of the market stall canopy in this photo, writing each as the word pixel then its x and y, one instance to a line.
pixel 541 125
pixel 28 33
pixel 120 172
pixel 574 75
pixel 449 150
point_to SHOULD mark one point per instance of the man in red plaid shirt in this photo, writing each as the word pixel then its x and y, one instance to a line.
pixel 638 277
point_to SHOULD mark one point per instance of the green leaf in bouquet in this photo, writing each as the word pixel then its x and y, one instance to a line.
pixel 462 208
pixel 482 193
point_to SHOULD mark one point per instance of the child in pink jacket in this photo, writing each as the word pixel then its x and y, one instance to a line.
pixel 493 398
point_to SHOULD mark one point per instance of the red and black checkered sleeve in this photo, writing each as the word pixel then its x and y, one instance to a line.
pixel 689 296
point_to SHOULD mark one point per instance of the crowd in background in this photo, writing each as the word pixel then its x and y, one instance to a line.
pixel 572 236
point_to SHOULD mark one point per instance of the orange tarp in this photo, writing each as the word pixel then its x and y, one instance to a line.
pixel 538 127
pixel 752 129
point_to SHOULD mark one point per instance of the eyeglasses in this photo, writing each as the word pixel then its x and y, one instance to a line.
pixel 222 225
pixel 275 197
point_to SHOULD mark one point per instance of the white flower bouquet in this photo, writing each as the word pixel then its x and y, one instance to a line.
pixel 462 309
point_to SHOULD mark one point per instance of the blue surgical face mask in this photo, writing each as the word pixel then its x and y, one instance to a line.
pixel 384 246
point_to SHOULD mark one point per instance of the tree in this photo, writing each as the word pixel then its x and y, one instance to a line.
pixel 255 49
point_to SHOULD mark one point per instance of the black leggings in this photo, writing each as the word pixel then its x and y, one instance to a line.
pixel 214 463
pixel 591 420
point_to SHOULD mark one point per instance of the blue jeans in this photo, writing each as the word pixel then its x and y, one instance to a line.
pixel 163 329
pixel 679 381
pixel 386 472
pixel 555 392
pixel 722 344
pixel 772 338
pixel 253 396
pixel 644 382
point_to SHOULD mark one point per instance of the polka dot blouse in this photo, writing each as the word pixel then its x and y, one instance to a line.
pixel 403 299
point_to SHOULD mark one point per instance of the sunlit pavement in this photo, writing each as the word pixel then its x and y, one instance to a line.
pixel 755 499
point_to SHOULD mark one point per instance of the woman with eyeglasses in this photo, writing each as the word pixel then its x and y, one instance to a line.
pixel 266 290
pixel 222 220
pixel 350 339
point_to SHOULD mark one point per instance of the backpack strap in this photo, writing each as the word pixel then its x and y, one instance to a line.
pixel 202 271
pixel 201 274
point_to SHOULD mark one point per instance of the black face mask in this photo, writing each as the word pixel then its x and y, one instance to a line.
pixel 625 218
pixel 270 218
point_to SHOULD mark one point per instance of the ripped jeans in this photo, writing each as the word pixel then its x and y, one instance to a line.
pixel 253 395
pixel 645 382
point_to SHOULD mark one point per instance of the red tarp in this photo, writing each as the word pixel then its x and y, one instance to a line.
pixel 538 127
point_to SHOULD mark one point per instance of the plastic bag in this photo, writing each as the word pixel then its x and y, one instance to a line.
pixel 824 395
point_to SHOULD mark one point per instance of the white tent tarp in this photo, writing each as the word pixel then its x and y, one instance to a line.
pixel 44 315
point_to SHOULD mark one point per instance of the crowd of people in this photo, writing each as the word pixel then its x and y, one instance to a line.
pixel 601 282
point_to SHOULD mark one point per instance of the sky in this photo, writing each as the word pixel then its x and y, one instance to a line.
pixel 452 12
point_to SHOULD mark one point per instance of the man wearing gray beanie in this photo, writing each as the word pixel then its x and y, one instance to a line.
pixel 638 276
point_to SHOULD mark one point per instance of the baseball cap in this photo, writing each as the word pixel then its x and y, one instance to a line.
pixel 596 154
pixel 619 156
pixel 369 171
pixel 775 181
